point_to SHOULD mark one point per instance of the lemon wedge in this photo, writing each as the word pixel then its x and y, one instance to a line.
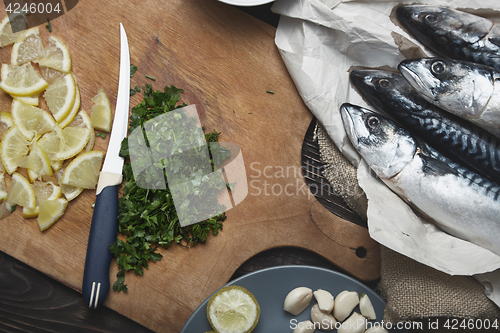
pixel 6 122
pixel 37 163
pixel 21 80
pixel 233 309
pixel 21 192
pixel 43 191
pixel 74 110
pixel 83 171
pixel 14 149
pixel 7 36
pixel 31 100
pixel 100 114
pixel 50 211
pixel 56 56
pixel 30 120
pixel 60 97
pixel 82 119
pixel 28 47
pixel 3 188
pixel 69 192
pixel 61 144
pixel 50 75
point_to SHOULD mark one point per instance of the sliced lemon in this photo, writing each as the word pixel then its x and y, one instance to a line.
pixel 28 47
pixel 16 20
pixel 50 75
pixel 6 122
pixel 56 56
pixel 50 212
pixel 64 143
pixel 60 97
pixel 233 309
pixel 43 191
pixel 74 110
pixel 37 163
pixel 31 100
pixel 29 213
pixel 3 188
pixel 100 115
pixel 21 192
pixel 83 171
pixel 21 80
pixel 14 149
pixel 30 120
pixel 82 119
pixel 70 192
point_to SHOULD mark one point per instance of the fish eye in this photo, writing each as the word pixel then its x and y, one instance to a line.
pixel 431 18
pixel 384 83
pixel 438 67
pixel 373 122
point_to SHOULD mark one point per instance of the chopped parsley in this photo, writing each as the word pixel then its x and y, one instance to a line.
pixel 133 68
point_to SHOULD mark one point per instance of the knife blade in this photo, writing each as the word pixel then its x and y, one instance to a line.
pixel 104 225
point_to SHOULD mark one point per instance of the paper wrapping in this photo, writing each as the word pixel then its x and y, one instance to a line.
pixel 320 41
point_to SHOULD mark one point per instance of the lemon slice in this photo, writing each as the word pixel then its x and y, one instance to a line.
pixel 31 100
pixel 83 171
pixel 70 192
pixel 37 163
pixel 43 191
pixel 100 115
pixel 30 120
pixel 28 47
pixel 56 56
pixel 74 110
pixel 21 192
pixel 3 188
pixel 82 119
pixel 60 97
pixel 14 149
pixel 6 35
pixel 6 122
pixel 233 309
pixel 21 80
pixel 50 75
pixel 50 212
pixel 61 144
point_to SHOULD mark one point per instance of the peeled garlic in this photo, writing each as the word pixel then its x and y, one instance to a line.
pixel 304 327
pixel 366 307
pixel 324 320
pixel 356 323
pixel 324 299
pixel 297 300
pixel 377 329
pixel 345 302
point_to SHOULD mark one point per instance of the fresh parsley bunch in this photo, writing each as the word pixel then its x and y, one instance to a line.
pixel 147 218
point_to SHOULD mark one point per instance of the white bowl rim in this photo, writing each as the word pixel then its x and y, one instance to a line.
pixel 246 2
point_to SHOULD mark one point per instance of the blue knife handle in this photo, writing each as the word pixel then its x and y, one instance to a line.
pixel 103 231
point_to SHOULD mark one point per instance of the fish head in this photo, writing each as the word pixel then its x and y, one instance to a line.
pixel 385 146
pixel 441 27
pixel 459 87
pixel 385 89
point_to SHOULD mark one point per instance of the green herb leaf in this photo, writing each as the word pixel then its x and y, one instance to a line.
pixel 102 135
pixel 132 70
pixel 48 26
pixel 270 92
pixel 150 77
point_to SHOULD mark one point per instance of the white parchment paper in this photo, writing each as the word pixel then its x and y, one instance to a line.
pixel 319 41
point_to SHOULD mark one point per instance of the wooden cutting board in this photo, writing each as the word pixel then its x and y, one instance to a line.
pixel 225 61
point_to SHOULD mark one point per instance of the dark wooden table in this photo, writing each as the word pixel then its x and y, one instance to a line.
pixel 30 301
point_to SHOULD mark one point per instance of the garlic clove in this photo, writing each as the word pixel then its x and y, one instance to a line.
pixel 345 302
pixel 324 320
pixel 366 307
pixel 324 299
pixel 304 327
pixel 297 300
pixel 377 329
pixel 356 323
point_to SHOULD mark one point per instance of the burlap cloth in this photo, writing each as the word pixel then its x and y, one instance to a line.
pixel 413 291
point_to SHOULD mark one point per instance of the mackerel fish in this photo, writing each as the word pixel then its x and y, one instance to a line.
pixel 453 33
pixel 451 135
pixel 459 201
pixel 468 90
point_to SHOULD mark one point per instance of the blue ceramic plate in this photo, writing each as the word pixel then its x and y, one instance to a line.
pixel 270 287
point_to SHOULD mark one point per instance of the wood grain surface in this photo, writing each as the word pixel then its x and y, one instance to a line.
pixel 225 61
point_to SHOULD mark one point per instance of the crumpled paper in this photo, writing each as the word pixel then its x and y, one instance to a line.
pixel 319 41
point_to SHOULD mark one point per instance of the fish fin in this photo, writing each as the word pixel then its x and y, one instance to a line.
pixel 495 40
pixel 435 167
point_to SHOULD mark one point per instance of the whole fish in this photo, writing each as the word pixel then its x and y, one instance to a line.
pixel 459 201
pixel 454 34
pixel 468 90
pixel 452 136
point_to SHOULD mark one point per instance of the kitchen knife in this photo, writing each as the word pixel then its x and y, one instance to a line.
pixel 104 225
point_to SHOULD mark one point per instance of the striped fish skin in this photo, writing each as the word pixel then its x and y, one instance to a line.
pixel 453 33
pixel 468 90
pixel 457 200
pixel 452 136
